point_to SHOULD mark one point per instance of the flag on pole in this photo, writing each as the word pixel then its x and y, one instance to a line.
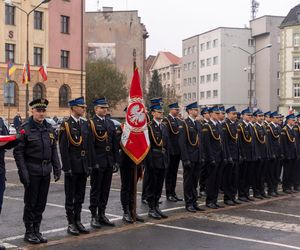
pixel 43 72
pixel 10 70
pixel 26 73
pixel 135 139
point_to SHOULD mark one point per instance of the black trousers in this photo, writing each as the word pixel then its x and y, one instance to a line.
pixel 171 175
pixel 100 187
pixel 271 177
pixel 202 177
pixel 35 198
pixel 246 173
pixel 288 171
pixel 213 182
pixel 296 180
pixel 157 177
pixel 146 183
pixel 190 180
pixel 75 192
pixel 260 172
pixel 2 189
pixel 230 181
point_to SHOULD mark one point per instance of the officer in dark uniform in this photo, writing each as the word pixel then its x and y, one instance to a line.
pixel 146 180
pixel 230 145
pixel 296 179
pixel 157 160
pixel 105 152
pixel 246 155
pixel 36 156
pixel 215 155
pixel 17 121
pixel 267 119
pixel 274 163
pixel 74 144
pixel 172 124
pixel 192 156
pixel 289 153
pixel 262 155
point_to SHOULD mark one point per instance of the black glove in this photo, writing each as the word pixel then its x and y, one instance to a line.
pixel 56 177
pixel 241 159
pixel 281 157
pixel 187 164
pixel 116 167
pixel 89 171
pixel 24 178
pixel 68 173
pixel 225 161
pixel 230 161
pixel 273 157
pixel 213 163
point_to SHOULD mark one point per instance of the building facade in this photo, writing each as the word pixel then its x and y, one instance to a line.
pixel 53 28
pixel 120 37
pixel 290 62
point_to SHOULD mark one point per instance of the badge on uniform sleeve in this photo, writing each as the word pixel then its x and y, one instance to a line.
pixel 51 135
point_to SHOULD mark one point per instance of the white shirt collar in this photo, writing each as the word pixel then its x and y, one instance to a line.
pixel 246 123
pixel 157 122
pixel 275 125
pixel 214 122
pixel 193 120
pixel 259 124
pixel 75 119
pixel 289 126
pixel 172 116
pixel 101 118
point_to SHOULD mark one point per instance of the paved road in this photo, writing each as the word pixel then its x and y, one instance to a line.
pixel 268 224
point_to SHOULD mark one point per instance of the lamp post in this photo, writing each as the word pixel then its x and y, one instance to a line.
pixel 9 2
pixel 251 66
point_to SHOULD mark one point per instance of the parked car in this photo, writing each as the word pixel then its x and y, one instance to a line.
pixel 10 127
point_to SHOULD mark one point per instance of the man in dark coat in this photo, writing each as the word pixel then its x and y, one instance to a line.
pixel 17 121
pixel 36 155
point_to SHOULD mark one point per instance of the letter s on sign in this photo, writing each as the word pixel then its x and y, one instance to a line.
pixel 11 34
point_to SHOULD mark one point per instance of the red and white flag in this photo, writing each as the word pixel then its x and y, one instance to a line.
pixel 43 72
pixel 135 139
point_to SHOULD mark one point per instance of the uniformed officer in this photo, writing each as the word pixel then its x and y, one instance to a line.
pixel 36 155
pixel 230 145
pixel 261 151
pixel 172 124
pixel 246 155
pixel 296 178
pixel 74 144
pixel 192 156
pixel 157 160
pixel 267 119
pixel 290 154
pixel 274 163
pixel 215 156
pixel 105 152
pixel 146 180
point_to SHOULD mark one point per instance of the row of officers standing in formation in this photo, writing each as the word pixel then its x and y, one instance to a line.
pixel 219 150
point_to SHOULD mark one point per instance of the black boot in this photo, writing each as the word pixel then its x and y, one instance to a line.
pixel 79 225
pixel 152 212
pixel 127 215
pixel 95 222
pixel 104 220
pixel 72 228
pixel 38 234
pixel 162 215
pixel 139 218
pixel 30 235
pixel 2 247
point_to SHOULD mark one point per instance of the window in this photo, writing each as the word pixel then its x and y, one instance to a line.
pixel 193 95
pixel 38 56
pixel 215 43
pixel 184 52
pixel 251 42
pixel 178 73
pixel 9 15
pixel 215 60
pixel 189 96
pixel 202 46
pixel 189 50
pixel 38 20
pixel 202 63
pixel 39 91
pixel 189 81
pixel 278 57
pixel 164 76
pixel 185 96
pixel 251 58
pixel 168 76
pixel 208 61
pixel 208 45
pixel 278 74
pixel 296 39
pixel 10 52
pixel 208 78
pixel 296 89
pixel 208 94
pixel 278 92
pixel 202 95
pixel 296 63
pixel 215 77
pixel 194 80
pixel 194 48
pixel 202 79
pixel 65 23
pixel 194 65
pixel 64 95
pixel 64 59
pixel 215 93
pixel 10 93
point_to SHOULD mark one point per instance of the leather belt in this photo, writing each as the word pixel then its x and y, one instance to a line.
pixel 163 150
pixel 38 161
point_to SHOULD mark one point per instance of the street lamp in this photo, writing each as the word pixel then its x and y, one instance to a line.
pixel 251 66
pixel 9 2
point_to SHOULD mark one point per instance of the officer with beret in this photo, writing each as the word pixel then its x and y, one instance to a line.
pixel 230 145
pixel 74 144
pixel 172 123
pixel 36 155
pixel 105 154
pixel 157 160
pixel 289 153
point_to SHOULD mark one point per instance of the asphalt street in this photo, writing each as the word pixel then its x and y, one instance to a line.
pixel 267 224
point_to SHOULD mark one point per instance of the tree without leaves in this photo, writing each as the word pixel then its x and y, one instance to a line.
pixel 104 80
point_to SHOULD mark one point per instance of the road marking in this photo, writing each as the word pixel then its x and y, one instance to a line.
pixel 11 170
pixel 59 206
pixel 225 236
pixel 7 158
pixel 8 246
pixel 272 212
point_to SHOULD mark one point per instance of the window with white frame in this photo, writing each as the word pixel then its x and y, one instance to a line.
pixel 202 46
pixel 208 45
pixel 278 74
pixel 189 50
pixel 296 39
pixel 194 96
pixel 202 79
pixel 251 42
pixel 296 90
pixel 215 43
pixel 194 65
pixel 215 77
pixel 189 96
pixel 202 95
pixel 215 60
pixel 208 61
pixel 215 93
pixel 184 52
pixel 208 78
pixel 202 63
pixel 208 94
pixel 296 63
pixel 185 96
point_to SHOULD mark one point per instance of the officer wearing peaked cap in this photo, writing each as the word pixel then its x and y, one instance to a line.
pixel 105 162
pixel 74 144
pixel 296 180
pixel 172 123
pixel 36 156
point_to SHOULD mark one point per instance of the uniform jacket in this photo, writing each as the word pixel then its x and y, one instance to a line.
pixel 273 134
pixel 172 124
pixel 36 152
pixel 260 142
pixel 288 143
pixel 245 141
pixel 230 140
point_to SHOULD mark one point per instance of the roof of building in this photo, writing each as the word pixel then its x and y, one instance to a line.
pixel 172 58
pixel 293 18
pixel 150 59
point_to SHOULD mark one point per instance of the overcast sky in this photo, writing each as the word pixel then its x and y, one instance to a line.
pixel 170 21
